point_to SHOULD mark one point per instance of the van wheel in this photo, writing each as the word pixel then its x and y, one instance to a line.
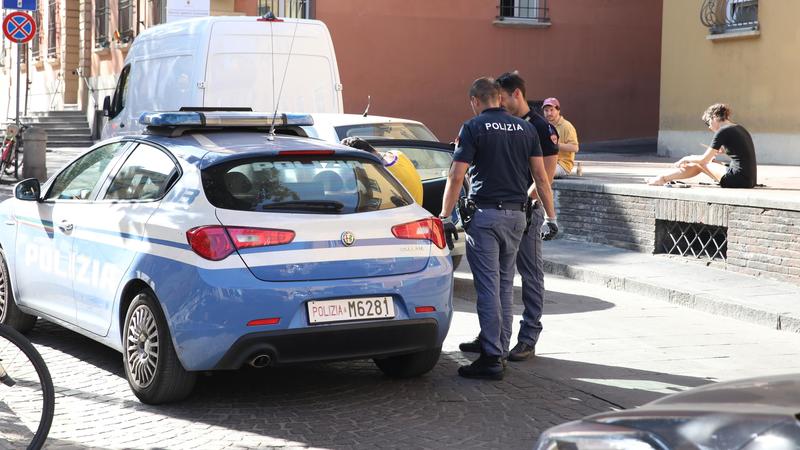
pixel 9 313
pixel 152 368
pixel 412 365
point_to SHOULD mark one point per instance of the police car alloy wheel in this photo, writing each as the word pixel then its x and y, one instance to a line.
pixel 153 370
pixel 9 313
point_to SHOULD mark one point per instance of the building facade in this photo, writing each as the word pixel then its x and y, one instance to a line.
pixel 413 58
pixel 739 52
pixel 417 58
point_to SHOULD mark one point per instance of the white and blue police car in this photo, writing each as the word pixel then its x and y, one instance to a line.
pixel 210 243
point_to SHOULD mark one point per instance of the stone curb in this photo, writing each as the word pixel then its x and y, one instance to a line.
pixel 463 288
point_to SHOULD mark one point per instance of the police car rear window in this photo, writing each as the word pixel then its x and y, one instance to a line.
pixel 307 185
pixel 387 131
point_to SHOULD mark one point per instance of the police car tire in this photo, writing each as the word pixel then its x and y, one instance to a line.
pixel 11 315
pixel 171 382
pixel 411 365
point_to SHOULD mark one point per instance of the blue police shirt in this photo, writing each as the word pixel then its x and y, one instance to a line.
pixel 498 147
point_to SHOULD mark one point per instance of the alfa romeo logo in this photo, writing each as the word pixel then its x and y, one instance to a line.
pixel 348 238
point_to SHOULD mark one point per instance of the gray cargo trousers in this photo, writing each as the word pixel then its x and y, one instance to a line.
pixel 492 242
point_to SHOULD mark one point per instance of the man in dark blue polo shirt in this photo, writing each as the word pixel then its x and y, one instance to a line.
pixel 529 258
pixel 500 151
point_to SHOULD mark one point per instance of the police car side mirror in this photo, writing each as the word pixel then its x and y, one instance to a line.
pixel 107 106
pixel 28 190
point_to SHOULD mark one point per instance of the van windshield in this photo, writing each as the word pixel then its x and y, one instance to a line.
pixel 386 130
pixel 307 184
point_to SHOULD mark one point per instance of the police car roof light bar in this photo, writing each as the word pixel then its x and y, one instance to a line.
pixel 196 119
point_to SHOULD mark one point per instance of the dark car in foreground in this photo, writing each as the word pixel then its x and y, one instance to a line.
pixel 750 414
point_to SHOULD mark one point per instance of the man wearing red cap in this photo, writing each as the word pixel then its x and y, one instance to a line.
pixel 568 137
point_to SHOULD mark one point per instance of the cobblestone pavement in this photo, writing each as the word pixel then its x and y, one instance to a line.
pixel 342 405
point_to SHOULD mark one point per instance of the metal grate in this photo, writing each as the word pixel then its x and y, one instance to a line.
pixel 35 41
pixel 285 8
pixel 692 239
pixel 534 10
pixel 723 16
pixel 52 29
pixel 101 23
pixel 126 20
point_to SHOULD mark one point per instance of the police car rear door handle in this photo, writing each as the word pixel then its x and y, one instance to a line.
pixel 66 226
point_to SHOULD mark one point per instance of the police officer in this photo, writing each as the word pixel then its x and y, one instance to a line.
pixel 529 258
pixel 500 151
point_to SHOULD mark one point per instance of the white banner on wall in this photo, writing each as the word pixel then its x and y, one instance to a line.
pixel 187 9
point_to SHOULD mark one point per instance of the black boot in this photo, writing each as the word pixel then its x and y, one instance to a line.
pixel 473 346
pixel 485 367
pixel 521 352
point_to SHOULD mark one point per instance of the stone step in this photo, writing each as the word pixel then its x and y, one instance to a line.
pixel 68 130
pixel 83 144
pixel 57 114
pixel 49 120
pixel 78 128
pixel 69 137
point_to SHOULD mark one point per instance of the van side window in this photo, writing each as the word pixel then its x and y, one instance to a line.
pixel 120 93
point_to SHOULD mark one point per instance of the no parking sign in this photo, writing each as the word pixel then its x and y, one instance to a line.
pixel 19 27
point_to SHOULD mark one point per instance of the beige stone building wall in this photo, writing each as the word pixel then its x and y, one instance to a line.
pixel 753 71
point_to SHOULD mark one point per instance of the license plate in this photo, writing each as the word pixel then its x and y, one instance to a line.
pixel 321 311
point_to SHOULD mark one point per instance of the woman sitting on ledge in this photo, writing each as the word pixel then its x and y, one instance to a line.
pixel 729 138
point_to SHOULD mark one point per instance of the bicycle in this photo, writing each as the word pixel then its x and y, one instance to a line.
pixel 27 396
pixel 10 162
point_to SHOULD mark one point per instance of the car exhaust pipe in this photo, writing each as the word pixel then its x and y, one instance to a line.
pixel 260 361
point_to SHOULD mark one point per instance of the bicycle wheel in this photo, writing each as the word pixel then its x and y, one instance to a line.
pixel 27 396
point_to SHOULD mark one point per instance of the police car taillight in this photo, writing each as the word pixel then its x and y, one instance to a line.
pixel 217 242
pixel 430 229
pixel 259 237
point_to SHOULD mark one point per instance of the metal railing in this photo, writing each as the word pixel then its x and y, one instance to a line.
pixel 692 239
pixel 533 10
pixel 723 16
pixel 285 8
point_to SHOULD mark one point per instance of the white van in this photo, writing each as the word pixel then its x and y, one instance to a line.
pixel 226 62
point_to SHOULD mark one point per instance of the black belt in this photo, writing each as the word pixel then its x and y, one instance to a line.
pixel 513 206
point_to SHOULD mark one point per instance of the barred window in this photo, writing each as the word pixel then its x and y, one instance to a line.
pixel 37 19
pixel 725 16
pixel 101 23
pixel 52 22
pixel 159 11
pixel 285 8
pixel 532 10
pixel 126 20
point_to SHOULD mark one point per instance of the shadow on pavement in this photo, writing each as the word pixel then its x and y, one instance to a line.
pixel 621 386
pixel 554 302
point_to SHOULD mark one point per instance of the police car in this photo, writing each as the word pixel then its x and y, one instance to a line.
pixel 210 243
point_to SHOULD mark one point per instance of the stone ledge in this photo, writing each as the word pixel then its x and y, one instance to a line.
pixel 753 198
